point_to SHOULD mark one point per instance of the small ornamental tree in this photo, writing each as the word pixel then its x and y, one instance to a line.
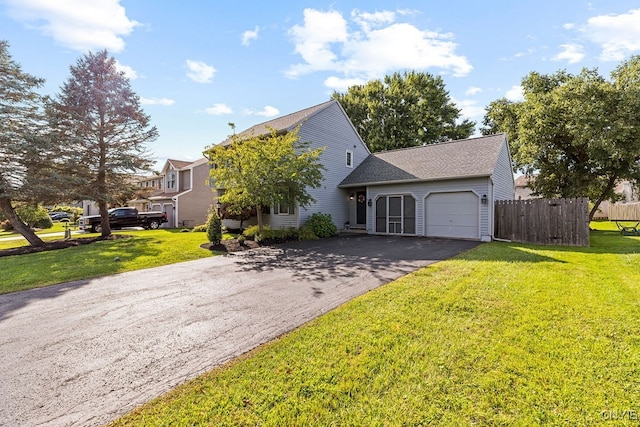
pixel 214 227
pixel 261 171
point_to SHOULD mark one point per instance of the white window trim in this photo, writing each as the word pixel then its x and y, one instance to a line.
pixel 349 159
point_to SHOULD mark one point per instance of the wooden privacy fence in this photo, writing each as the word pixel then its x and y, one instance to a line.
pixel 543 221
pixel 624 212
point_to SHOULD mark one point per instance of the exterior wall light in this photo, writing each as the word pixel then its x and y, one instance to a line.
pixel 369 202
pixel 484 199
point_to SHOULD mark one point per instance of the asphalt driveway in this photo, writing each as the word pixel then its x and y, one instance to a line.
pixel 84 353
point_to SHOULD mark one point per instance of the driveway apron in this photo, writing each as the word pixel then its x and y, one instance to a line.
pixel 87 352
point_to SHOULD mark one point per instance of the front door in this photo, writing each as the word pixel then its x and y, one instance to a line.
pixel 361 208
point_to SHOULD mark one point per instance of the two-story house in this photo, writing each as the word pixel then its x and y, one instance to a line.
pixel 440 190
pixel 184 193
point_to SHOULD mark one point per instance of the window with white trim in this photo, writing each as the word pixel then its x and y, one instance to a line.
pixel 285 208
pixel 171 180
pixel 349 158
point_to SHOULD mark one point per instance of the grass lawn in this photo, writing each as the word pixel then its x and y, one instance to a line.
pixel 505 334
pixel 148 248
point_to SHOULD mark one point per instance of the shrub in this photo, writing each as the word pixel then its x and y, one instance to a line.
pixel 200 228
pixel 214 228
pixel 306 233
pixel 251 232
pixel 6 225
pixel 322 225
pixel 34 216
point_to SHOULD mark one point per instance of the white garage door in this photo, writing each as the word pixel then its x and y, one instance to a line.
pixel 453 215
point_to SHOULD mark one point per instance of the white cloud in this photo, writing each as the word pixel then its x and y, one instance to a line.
pixel 572 53
pixel 473 91
pixel 368 20
pixel 157 101
pixel 218 110
pixel 249 35
pixel 128 71
pixel 470 109
pixel 515 93
pixel 569 26
pixel 341 85
pixel 200 72
pixel 378 46
pixel 617 35
pixel 77 24
pixel 267 111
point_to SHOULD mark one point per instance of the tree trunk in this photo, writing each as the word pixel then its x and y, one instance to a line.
pixel 18 225
pixel 104 218
pixel 596 205
pixel 259 218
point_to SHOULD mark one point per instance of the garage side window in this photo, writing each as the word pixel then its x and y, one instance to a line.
pixel 409 215
pixel 381 215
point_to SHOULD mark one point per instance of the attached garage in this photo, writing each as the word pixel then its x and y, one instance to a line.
pixel 439 190
pixel 454 215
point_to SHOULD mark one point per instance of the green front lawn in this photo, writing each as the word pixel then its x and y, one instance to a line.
pixel 505 334
pixel 147 248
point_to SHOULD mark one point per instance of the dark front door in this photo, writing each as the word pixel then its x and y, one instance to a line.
pixel 361 208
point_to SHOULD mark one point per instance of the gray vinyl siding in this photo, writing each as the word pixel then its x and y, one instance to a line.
pixel 332 129
pixel 421 190
pixel 503 182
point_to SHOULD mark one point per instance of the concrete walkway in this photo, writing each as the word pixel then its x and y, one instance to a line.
pixel 87 352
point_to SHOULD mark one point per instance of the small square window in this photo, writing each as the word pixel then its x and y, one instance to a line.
pixel 349 159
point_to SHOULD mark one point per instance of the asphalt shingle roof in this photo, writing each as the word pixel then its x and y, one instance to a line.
pixel 455 159
pixel 281 123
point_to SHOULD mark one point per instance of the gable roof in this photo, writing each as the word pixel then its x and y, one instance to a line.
pixel 287 122
pixel 465 158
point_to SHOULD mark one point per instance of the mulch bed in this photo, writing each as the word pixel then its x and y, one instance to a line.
pixel 57 244
pixel 229 246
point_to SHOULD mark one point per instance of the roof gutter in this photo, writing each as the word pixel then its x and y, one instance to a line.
pixel 412 181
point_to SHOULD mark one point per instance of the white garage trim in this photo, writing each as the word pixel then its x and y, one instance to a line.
pixel 453 215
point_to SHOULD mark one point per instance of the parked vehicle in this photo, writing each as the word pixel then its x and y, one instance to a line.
pixel 58 216
pixel 124 217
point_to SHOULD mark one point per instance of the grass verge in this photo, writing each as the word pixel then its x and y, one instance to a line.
pixel 146 248
pixel 506 334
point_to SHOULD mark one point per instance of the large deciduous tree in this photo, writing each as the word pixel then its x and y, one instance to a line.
pixel 404 110
pixel 262 171
pixel 25 150
pixel 99 119
pixel 579 133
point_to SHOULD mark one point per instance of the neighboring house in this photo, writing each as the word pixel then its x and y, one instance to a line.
pixel 184 194
pixel 443 190
pixel 523 192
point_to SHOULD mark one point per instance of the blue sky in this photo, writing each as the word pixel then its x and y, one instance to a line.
pixel 198 65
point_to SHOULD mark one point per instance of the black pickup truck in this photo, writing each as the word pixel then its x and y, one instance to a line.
pixel 124 217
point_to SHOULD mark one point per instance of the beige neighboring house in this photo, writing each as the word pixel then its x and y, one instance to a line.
pixel 523 192
pixel 184 193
